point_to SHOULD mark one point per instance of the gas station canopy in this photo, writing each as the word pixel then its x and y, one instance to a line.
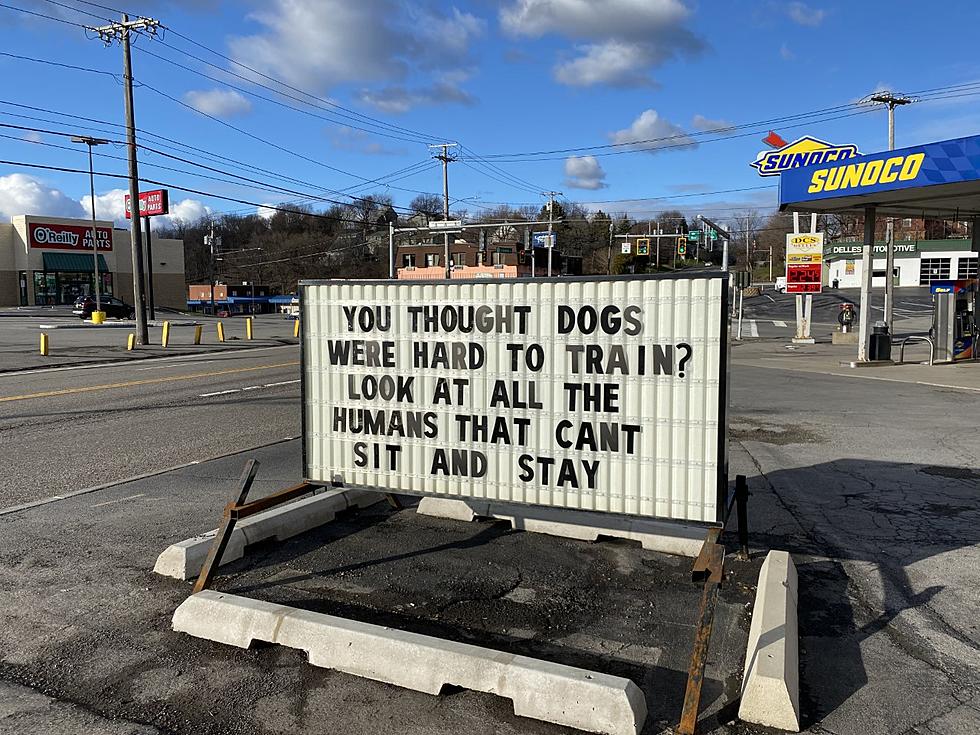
pixel 936 180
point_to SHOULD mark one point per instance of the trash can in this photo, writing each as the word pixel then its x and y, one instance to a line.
pixel 881 342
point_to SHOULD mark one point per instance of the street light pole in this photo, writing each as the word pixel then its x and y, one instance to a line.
pixel 90 142
pixel 892 100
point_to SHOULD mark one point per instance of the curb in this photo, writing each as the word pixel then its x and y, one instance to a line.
pixel 184 559
pixel 771 682
pixel 668 538
pixel 543 690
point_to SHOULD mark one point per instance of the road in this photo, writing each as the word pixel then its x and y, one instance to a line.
pixel 67 429
pixel 773 315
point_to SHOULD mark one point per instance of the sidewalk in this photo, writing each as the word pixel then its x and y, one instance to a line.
pixel 826 359
pixel 73 343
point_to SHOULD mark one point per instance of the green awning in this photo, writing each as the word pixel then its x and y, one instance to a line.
pixel 72 262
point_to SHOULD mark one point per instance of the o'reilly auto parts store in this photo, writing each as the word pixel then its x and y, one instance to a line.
pixel 47 261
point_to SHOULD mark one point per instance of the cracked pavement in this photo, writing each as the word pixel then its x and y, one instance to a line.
pixel 871 485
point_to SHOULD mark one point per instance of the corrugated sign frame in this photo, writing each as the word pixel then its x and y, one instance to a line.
pixel 721 462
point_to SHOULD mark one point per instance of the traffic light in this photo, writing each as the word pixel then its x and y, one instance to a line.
pixel 643 246
pixel 682 246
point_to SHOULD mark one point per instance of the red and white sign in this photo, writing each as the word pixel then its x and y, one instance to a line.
pixel 67 237
pixel 151 203
pixel 804 262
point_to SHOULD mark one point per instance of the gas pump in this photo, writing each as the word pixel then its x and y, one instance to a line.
pixel 954 318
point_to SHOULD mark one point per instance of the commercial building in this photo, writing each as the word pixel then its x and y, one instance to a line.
pixel 247 298
pixel 47 261
pixel 501 259
pixel 917 262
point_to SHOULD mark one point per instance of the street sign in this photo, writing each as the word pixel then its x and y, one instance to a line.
pixel 694 236
pixel 804 262
pixel 543 239
pixel 446 224
pixel 605 397
pixel 643 246
pixel 627 248
pixel 152 203
pixel 714 235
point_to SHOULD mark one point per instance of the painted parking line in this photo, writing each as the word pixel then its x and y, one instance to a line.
pixel 247 388
pixel 753 328
pixel 147 381
pixel 778 323
pixel 117 500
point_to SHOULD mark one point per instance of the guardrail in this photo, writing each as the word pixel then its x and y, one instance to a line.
pixel 915 338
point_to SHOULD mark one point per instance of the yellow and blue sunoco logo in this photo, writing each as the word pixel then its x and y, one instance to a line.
pixel 866 173
pixel 805 151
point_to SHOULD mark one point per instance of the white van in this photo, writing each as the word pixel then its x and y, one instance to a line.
pixel 780 284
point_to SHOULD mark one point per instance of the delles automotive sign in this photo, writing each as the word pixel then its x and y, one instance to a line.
pixel 151 203
pixel 67 237
pixel 805 151
pixel 600 394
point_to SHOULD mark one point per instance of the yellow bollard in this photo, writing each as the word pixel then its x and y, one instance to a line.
pixel 221 332
pixel 44 344
pixel 130 342
pixel 165 339
pixel 197 334
pixel 248 328
pixel 98 317
pixel 296 328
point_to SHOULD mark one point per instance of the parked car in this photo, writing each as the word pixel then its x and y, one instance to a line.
pixel 113 307
pixel 780 284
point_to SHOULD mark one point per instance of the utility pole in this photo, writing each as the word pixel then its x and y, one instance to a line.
pixel 551 219
pixel 121 32
pixel 893 101
pixel 609 252
pixel 446 160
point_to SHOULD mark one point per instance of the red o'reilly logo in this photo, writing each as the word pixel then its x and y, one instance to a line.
pixel 48 236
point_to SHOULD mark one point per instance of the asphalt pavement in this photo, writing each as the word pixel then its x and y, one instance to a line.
pixel 73 342
pixel 67 429
pixel 772 315
pixel 870 484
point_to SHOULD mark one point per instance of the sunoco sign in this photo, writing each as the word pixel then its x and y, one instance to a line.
pixel 597 394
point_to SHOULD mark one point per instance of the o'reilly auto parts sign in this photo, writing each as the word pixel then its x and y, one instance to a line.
pixel 599 394
pixel 67 237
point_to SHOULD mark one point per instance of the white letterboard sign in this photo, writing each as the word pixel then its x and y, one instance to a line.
pixel 598 394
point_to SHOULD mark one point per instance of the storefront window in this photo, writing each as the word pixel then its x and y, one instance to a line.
pixel 63 288
pixel 933 269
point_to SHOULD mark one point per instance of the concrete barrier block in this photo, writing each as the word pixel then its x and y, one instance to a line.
pixel 771 682
pixel 183 560
pixel 668 538
pixel 542 690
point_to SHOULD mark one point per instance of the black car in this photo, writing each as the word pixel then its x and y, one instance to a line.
pixel 85 305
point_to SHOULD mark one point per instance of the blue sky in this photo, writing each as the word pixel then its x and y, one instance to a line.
pixel 514 77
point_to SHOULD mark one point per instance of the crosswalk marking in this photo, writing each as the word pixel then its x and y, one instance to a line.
pixel 753 328
pixel 778 323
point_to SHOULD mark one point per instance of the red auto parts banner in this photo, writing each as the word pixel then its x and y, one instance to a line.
pixel 152 203
pixel 67 237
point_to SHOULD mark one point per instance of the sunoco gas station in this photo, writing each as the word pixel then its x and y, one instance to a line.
pixel 938 180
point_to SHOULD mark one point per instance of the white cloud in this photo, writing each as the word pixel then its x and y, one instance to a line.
pixel 33 136
pixel 397 99
pixel 266 211
pixel 625 38
pixel 711 126
pixel 804 15
pixel 616 63
pixel 218 102
pixel 23 194
pixel 652 133
pixel 318 44
pixel 346 138
pixel 584 172
pixel 111 205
